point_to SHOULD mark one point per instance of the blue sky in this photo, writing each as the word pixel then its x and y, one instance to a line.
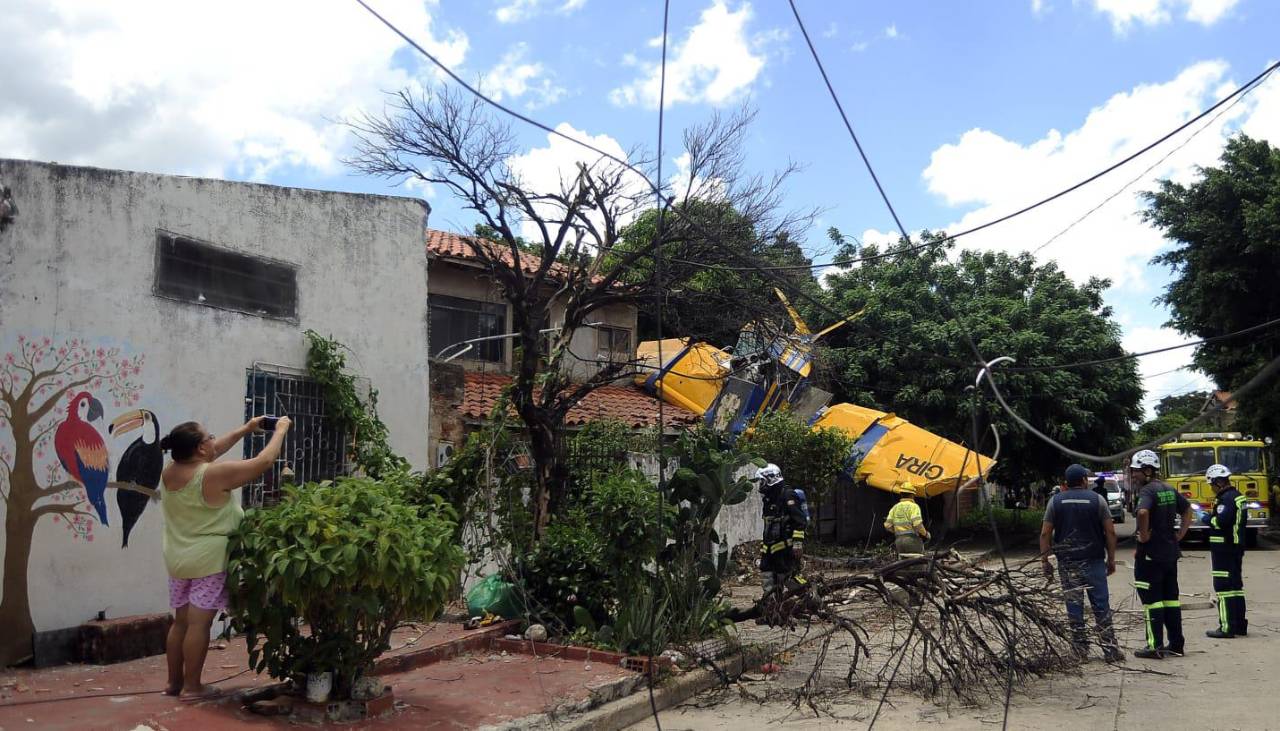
pixel 968 110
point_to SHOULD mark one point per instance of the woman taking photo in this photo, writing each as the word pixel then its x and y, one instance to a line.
pixel 200 512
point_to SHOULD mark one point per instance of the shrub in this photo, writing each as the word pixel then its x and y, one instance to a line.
pixel 811 459
pixel 351 561
pixel 1008 522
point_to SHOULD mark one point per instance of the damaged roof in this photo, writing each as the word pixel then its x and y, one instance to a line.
pixel 625 403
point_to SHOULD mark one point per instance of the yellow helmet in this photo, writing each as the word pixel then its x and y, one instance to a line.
pixel 905 488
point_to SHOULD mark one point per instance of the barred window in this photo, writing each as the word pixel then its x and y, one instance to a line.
pixel 315 448
pixel 455 320
pixel 613 343
pixel 201 273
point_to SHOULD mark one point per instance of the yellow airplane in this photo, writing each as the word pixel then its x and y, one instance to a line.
pixel 732 390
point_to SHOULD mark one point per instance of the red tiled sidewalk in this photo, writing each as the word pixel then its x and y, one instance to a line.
pixel 474 689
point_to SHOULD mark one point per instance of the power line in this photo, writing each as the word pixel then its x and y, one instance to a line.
pixel 1143 354
pixel 659 296
pixel 1155 164
pixel 1234 98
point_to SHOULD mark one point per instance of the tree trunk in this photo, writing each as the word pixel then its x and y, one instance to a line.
pixel 19 526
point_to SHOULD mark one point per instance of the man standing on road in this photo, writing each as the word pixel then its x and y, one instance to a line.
pixel 1078 528
pixel 1155 562
pixel 906 522
pixel 1226 552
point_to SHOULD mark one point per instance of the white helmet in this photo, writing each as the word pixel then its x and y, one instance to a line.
pixel 770 474
pixel 1144 458
pixel 1217 471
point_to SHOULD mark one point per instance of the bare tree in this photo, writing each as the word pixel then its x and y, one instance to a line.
pixel 580 254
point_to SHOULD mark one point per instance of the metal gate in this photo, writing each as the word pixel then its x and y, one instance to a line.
pixel 315 448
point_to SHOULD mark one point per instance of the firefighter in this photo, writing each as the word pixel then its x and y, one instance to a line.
pixel 906 523
pixel 1226 552
pixel 1155 567
pixel 784 529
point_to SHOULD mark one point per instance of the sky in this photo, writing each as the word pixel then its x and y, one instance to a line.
pixel 967 110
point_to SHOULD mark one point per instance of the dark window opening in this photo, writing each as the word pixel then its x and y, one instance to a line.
pixel 455 320
pixel 194 271
pixel 613 343
pixel 316 448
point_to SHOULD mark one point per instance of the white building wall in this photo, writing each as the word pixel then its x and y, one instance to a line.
pixel 78 263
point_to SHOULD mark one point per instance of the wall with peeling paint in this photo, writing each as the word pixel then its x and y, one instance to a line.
pixel 78 264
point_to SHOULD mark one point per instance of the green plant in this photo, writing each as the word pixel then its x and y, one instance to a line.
pixel 566 574
pixel 372 451
pixel 320 580
pixel 811 459
pixel 1008 522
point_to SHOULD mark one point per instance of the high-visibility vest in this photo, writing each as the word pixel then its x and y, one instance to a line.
pixel 904 518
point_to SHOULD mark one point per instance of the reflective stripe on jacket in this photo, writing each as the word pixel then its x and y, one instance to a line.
pixel 904 518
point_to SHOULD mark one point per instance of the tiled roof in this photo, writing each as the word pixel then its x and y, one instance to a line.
pixel 455 246
pixel 624 403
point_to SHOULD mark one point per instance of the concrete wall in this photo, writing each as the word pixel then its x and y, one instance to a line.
pixel 76 271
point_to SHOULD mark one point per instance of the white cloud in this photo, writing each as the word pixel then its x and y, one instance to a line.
pixel 1164 374
pixel 1124 13
pixel 999 175
pixel 832 30
pixel 859 47
pixel 891 32
pixel 514 77
pixel 238 87
pixel 1038 7
pixel 716 62
pixel 516 11
pixel 553 168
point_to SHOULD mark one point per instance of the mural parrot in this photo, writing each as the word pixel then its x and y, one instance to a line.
pixel 141 464
pixel 82 452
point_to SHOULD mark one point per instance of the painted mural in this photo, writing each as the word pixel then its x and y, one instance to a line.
pixel 56 458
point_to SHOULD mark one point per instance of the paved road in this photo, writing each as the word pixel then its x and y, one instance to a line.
pixel 1220 684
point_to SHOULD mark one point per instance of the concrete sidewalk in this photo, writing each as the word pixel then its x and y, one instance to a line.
pixel 477 688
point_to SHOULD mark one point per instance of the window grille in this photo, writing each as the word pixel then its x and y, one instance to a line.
pixel 201 273
pixel 315 448
pixel 455 319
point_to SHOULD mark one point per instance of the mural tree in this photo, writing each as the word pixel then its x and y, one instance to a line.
pixel 43 386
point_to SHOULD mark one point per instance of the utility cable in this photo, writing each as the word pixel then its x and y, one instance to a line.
pixel 1130 356
pixel 1259 378
pixel 950 311
pixel 1234 98
pixel 659 296
pixel 1248 88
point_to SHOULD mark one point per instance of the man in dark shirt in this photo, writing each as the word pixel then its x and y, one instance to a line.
pixel 1078 527
pixel 1155 567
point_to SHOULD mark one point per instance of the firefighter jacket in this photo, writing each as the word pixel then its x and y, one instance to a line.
pixel 1227 521
pixel 904 518
pixel 784 521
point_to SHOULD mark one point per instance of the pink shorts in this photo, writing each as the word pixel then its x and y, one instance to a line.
pixel 206 592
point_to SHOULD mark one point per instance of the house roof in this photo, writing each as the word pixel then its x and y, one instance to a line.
pixel 449 245
pixel 625 403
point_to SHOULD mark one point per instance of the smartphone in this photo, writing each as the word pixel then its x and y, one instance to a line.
pixel 269 423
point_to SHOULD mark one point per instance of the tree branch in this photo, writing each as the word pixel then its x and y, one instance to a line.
pixel 57 509
pixel 127 486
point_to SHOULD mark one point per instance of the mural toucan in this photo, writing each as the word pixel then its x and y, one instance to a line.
pixel 82 452
pixel 141 464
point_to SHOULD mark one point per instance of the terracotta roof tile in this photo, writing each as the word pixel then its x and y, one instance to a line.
pixel 625 403
pixel 455 246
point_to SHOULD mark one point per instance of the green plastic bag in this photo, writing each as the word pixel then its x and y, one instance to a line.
pixel 495 596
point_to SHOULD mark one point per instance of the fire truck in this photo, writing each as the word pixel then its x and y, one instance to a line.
pixel 1187 457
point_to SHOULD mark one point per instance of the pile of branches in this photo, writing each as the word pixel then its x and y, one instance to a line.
pixel 938 625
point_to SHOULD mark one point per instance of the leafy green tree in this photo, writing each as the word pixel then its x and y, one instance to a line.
pixel 1171 413
pixel 907 356
pixel 713 299
pixel 1225 229
pixel 810 459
